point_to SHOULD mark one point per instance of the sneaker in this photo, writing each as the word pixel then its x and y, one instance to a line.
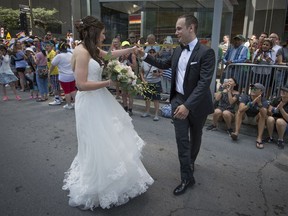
pixel 211 127
pixel 5 98
pixel 156 118
pixel 144 115
pixel 280 144
pixel 55 103
pixel 229 131
pixel 68 107
pixel 18 97
pixel 269 140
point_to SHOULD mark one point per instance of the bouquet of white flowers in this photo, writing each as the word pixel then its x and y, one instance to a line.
pixel 128 81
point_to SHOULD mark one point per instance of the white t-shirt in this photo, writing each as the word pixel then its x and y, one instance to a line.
pixel 63 61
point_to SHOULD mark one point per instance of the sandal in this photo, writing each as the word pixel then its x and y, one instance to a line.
pixel 234 136
pixel 259 145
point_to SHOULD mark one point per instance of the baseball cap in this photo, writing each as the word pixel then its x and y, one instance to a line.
pixel 30 49
pixel 168 40
pixel 125 43
pixel 50 43
pixel 258 86
pixel 29 40
pixel 151 48
pixel 285 88
pixel 239 36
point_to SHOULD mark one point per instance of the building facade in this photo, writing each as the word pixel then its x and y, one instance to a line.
pixel 245 17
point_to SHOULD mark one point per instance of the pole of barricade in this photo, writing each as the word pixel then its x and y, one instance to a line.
pixel 218 5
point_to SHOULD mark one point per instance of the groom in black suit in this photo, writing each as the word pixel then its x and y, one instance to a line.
pixel 192 70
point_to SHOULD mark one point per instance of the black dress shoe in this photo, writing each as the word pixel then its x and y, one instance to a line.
pixel 180 189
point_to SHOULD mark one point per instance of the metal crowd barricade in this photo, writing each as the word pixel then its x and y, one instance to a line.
pixel 273 77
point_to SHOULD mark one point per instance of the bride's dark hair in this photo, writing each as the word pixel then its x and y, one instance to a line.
pixel 89 29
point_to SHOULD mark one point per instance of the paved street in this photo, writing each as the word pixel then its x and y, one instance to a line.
pixel 38 144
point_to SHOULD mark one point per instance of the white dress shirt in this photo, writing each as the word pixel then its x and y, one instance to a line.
pixel 182 65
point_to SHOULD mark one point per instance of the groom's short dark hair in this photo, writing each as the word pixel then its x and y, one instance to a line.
pixel 190 19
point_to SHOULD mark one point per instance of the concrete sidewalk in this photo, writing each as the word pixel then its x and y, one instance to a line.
pixel 249 130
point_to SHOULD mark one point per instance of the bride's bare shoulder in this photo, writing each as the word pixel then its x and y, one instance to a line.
pixel 80 56
pixel 80 51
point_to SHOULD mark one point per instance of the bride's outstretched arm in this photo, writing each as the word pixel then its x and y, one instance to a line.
pixel 118 53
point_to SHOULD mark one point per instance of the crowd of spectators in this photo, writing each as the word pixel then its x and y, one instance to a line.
pixel 41 66
pixel 30 58
pixel 236 105
pixel 27 64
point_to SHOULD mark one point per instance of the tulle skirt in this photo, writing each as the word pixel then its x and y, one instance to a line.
pixel 7 78
pixel 107 170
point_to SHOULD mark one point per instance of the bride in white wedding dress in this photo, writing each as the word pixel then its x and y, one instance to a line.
pixel 107 170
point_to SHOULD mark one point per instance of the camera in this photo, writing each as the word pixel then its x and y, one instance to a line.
pixel 155 71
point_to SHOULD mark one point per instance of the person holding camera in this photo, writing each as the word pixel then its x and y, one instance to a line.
pixel 278 115
pixel 253 110
pixel 151 75
pixel 226 99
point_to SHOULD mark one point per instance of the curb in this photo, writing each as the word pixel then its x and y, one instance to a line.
pixel 249 130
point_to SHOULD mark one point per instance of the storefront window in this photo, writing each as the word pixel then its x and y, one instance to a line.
pixel 153 17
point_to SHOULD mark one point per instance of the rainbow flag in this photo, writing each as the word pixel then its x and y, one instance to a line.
pixel 11 43
pixel 21 36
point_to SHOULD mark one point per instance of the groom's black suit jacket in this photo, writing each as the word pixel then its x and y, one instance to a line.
pixel 198 76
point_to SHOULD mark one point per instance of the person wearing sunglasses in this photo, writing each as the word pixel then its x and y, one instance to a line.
pixel 132 38
pixel 252 110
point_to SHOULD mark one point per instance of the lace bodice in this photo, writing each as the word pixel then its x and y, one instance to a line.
pixel 94 71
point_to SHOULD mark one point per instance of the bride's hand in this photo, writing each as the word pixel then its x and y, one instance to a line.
pixel 140 51
pixel 112 83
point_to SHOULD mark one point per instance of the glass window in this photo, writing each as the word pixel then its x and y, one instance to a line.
pixel 153 17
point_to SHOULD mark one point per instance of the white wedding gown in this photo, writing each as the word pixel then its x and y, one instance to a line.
pixel 107 170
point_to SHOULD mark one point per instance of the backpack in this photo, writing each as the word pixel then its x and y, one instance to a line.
pixel 166 111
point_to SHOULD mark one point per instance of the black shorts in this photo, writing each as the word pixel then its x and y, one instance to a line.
pixel 156 89
pixel 252 112
pixel 21 70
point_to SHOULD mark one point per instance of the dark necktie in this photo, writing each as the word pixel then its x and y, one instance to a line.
pixel 185 47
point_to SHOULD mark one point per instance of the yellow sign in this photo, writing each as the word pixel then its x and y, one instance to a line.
pixel 8 36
